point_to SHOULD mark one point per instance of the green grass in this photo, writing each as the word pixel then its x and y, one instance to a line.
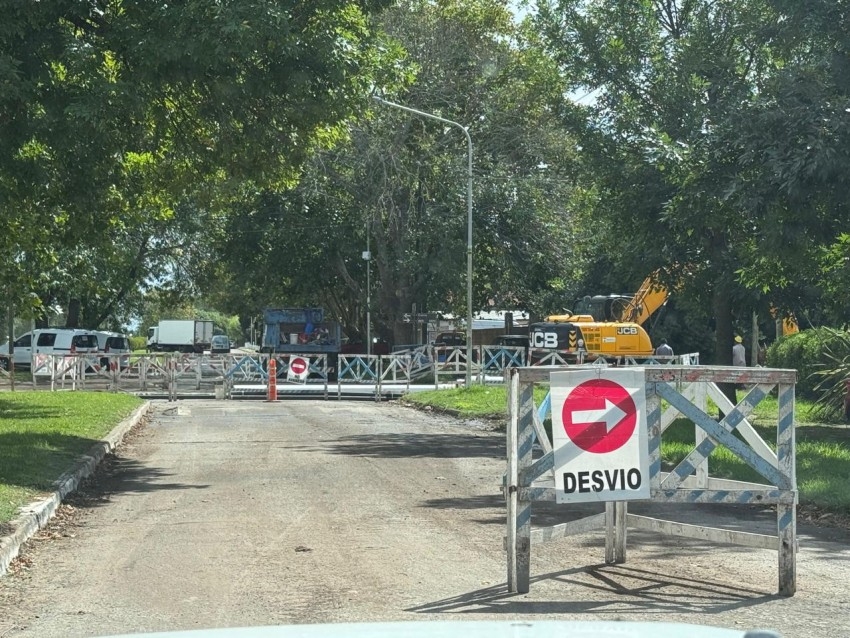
pixel 42 433
pixel 823 460
pixel 478 401
pixel 823 449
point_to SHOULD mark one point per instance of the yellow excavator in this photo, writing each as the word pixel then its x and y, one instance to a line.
pixel 606 326
pixel 612 325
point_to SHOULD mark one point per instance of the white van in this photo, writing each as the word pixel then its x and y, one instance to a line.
pixel 113 343
pixel 51 341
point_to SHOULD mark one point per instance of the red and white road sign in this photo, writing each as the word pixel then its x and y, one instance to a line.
pixel 299 368
pixel 599 416
pixel 599 435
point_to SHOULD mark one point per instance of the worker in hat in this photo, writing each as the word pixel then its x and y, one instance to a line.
pixel 739 353
pixel 663 349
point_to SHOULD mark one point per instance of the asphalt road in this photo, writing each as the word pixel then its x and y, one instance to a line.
pixel 220 514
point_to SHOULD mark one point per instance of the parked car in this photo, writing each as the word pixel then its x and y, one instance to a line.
pixel 220 344
pixel 453 339
pixel 114 343
pixel 51 341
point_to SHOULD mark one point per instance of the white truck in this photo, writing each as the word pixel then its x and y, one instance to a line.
pixel 180 335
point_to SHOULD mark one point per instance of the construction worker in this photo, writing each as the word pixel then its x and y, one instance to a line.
pixel 664 350
pixel 739 352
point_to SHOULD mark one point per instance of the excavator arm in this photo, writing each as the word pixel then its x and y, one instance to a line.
pixel 649 298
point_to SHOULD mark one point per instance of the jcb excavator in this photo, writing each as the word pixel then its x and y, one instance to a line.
pixel 606 326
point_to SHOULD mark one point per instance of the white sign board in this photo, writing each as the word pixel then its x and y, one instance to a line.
pixel 599 435
pixel 299 369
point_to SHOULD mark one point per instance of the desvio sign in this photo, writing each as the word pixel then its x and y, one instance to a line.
pixel 599 435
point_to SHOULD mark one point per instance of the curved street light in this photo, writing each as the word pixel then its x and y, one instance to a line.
pixel 468 224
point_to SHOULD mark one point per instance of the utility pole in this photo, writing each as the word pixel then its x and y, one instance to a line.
pixel 468 224
pixel 11 343
pixel 368 257
pixel 754 346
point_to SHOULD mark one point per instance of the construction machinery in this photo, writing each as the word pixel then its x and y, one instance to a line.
pixel 583 335
pixel 605 325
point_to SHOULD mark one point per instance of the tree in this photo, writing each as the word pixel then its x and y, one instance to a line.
pixel 197 94
pixel 791 149
pixel 667 77
pixel 402 180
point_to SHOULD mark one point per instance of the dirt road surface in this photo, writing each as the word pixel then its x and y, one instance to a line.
pixel 222 514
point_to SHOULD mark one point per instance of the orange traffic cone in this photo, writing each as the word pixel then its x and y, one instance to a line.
pixel 272 379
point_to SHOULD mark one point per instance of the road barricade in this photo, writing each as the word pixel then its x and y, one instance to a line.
pixel 5 366
pixel 450 363
pixel 496 359
pixel 397 369
pixel 685 391
pixel 358 369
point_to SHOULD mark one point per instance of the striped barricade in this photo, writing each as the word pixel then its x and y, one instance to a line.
pixel 450 361
pixel 358 368
pixel 497 359
pixel 421 362
pixel 670 392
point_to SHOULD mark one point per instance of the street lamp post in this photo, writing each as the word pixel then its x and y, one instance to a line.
pixel 367 255
pixel 468 224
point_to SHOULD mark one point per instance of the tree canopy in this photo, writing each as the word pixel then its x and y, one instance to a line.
pixel 679 140
pixel 401 180
pixel 230 152
pixel 113 113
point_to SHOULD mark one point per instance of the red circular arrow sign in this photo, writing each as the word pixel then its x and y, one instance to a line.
pixel 298 366
pixel 599 416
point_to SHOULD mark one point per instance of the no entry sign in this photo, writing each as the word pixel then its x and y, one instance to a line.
pixel 599 435
pixel 299 368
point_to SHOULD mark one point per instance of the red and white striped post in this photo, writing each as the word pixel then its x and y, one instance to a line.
pixel 272 396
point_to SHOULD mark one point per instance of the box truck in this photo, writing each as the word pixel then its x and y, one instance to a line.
pixel 180 335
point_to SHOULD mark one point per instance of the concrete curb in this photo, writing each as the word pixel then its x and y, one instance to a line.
pixel 35 516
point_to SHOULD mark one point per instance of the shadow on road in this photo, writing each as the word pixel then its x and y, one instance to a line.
pixel 118 475
pixel 614 589
pixel 433 445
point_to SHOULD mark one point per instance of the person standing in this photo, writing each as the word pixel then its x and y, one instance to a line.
pixel 663 349
pixel 739 352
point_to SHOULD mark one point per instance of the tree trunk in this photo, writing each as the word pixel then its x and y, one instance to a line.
pixel 401 333
pixel 723 336
pixel 73 319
